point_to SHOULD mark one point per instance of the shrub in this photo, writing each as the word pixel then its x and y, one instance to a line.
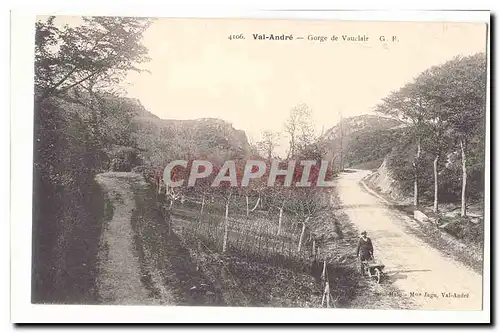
pixel 466 230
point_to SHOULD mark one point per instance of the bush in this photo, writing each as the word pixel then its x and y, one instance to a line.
pixel 368 149
pixel 466 230
pixel 69 150
pixel 400 164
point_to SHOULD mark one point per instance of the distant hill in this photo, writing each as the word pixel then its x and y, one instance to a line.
pixel 131 135
pixel 164 139
pixel 366 140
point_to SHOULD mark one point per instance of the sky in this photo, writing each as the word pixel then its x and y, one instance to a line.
pixel 197 72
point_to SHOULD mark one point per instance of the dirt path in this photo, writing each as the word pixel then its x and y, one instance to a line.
pixel 119 279
pixel 420 272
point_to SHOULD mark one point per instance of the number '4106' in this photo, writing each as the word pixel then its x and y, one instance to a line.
pixel 240 36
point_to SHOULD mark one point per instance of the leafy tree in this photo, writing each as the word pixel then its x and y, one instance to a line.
pixel 94 55
pixel 445 106
pixel 77 118
pixel 408 105
pixel 435 127
pixel 463 94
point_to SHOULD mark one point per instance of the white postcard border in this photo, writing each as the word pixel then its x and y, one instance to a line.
pixel 22 311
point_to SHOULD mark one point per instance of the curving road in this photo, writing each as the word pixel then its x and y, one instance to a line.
pixel 419 271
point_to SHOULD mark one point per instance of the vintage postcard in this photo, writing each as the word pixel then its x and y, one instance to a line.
pixel 260 163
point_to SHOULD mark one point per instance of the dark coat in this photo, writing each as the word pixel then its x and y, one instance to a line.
pixel 365 248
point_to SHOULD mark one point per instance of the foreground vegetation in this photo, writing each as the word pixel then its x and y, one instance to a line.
pixel 248 246
pixel 259 267
pixel 442 154
pixel 83 128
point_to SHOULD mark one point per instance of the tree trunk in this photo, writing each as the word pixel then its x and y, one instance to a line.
pixel 202 205
pixel 226 228
pixel 301 239
pixel 415 183
pixel 415 191
pixel 168 219
pixel 463 210
pixel 171 204
pixel 332 161
pixel 256 204
pixel 327 294
pixel 226 232
pixel 279 220
pixel 248 208
pixel 436 184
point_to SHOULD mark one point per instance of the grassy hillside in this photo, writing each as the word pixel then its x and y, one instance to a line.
pixel 369 140
pixel 162 139
pixel 365 140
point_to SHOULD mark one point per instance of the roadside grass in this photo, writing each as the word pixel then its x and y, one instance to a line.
pixel 454 237
pixel 468 253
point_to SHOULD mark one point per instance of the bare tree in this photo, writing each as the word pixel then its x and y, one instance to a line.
pixel 299 128
pixel 279 196
pixel 268 143
pixel 306 203
pixel 227 198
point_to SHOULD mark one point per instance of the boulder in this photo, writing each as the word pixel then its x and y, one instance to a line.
pixel 419 216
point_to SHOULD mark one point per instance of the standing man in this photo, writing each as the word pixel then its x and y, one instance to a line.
pixel 365 249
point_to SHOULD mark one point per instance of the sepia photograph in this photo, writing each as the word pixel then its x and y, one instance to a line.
pixel 277 163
